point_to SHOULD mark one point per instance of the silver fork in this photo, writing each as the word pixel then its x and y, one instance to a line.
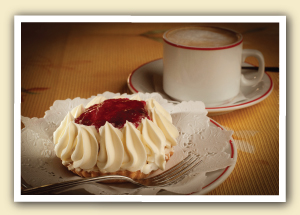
pixel 169 177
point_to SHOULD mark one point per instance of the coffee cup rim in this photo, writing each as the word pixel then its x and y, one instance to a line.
pixel 238 42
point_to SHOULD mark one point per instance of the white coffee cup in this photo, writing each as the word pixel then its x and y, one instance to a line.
pixel 204 64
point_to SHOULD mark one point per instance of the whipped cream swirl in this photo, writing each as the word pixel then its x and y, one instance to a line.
pixel 111 149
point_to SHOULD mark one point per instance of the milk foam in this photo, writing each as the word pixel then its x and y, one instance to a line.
pixel 203 37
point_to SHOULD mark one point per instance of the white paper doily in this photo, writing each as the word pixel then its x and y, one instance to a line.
pixel 198 134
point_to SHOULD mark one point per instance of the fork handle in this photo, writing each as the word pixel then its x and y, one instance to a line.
pixel 51 187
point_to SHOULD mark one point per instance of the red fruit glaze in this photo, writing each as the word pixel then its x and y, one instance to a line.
pixel 115 111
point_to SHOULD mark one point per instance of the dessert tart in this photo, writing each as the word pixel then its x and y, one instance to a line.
pixel 117 136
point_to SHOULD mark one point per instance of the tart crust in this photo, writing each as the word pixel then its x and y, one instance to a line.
pixel 134 175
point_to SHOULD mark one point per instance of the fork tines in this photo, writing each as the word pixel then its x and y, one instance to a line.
pixel 176 173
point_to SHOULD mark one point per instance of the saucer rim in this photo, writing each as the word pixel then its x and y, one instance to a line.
pixel 217 109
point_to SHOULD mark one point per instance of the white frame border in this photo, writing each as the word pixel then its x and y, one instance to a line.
pixel 150 19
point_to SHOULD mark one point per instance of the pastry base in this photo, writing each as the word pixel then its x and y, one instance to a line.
pixel 133 175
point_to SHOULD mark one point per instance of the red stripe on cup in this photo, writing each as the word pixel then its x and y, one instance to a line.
pixel 206 49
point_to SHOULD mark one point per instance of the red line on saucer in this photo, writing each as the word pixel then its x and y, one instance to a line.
pixel 232 151
pixel 216 124
pixel 130 82
pixel 131 74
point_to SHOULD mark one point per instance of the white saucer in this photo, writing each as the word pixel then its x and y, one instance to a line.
pixel 148 78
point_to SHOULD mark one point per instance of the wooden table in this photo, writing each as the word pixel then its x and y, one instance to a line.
pixel 69 60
